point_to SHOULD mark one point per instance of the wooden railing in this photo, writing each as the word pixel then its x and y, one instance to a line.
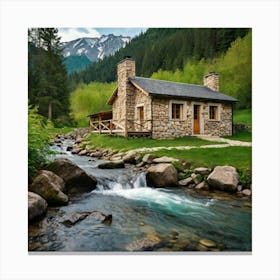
pixel 106 126
pixel 110 126
pixel 139 125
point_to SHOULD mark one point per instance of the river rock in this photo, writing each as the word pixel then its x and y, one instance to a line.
pixel 114 158
pixel 37 206
pixel 79 140
pixel 96 216
pixel 202 171
pixel 130 157
pixel 76 150
pixel 164 160
pixel 207 243
pixel 162 175
pixel 144 244
pixel 247 192
pixel 76 179
pixel 185 182
pixel 224 178
pixel 50 186
pixel 111 164
pixel 148 158
pixel 202 186
pixel 82 152
pixel 69 148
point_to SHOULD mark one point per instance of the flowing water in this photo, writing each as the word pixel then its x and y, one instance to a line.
pixel 170 219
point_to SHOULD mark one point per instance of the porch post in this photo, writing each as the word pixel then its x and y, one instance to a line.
pixel 99 124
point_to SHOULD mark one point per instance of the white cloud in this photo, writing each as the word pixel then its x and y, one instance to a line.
pixel 69 34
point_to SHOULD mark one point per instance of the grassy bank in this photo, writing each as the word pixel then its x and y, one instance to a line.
pixel 240 157
pixel 245 136
pixel 243 116
pixel 121 143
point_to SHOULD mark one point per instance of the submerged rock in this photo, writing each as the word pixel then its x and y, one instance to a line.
pixel 144 244
pixel 37 206
pixel 224 178
pixel 50 186
pixel 207 243
pixel 76 179
pixel 162 175
pixel 75 217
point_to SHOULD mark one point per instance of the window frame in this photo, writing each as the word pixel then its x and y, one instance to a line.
pixel 182 113
pixel 217 117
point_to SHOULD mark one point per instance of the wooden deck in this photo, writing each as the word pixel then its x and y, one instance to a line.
pixel 133 129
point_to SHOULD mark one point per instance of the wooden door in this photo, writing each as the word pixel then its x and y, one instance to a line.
pixel 141 113
pixel 196 119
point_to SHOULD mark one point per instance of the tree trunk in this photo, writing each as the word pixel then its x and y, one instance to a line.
pixel 50 111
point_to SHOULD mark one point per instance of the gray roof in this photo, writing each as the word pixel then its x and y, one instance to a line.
pixel 182 90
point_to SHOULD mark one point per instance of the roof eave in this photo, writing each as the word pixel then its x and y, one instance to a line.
pixel 191 97
pixel 113 97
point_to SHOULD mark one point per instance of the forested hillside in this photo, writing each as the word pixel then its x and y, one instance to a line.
pixel 234 68
pixel 163 48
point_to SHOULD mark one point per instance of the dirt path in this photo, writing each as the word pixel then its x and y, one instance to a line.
pixel 224 143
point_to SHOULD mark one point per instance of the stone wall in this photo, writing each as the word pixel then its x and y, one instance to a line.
pixel 166 128
pixel 221 127
pixel 163 126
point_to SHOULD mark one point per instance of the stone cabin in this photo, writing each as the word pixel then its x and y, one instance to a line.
pixel 164 109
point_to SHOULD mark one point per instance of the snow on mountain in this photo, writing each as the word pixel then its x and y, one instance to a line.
pixel 95 48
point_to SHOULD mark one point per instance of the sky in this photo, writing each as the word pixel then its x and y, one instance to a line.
pixel 69 34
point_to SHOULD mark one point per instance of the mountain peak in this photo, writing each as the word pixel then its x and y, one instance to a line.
pixel 95 48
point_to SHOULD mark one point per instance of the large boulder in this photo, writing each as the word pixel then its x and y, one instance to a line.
pixel 224 178
pixel 37 206
pixel 76 179
pixel 162 175
pixel 50 187
pixel 111 164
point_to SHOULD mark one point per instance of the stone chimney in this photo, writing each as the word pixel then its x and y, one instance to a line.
pixel 211 80
pixel 126 69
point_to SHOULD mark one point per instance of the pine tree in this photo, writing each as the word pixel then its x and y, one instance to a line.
pixel 47 75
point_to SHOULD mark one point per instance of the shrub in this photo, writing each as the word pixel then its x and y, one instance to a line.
pixel 38 139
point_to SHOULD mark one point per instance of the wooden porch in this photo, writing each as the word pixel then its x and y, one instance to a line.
pixel 102 123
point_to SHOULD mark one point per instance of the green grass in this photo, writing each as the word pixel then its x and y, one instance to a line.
pixel 243 116
pixel 241 136
pixel 239 157
pixel 121 143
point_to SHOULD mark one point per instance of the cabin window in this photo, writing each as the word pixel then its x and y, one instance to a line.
pixel 213 113
pixel 177 111
pixel 140 113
